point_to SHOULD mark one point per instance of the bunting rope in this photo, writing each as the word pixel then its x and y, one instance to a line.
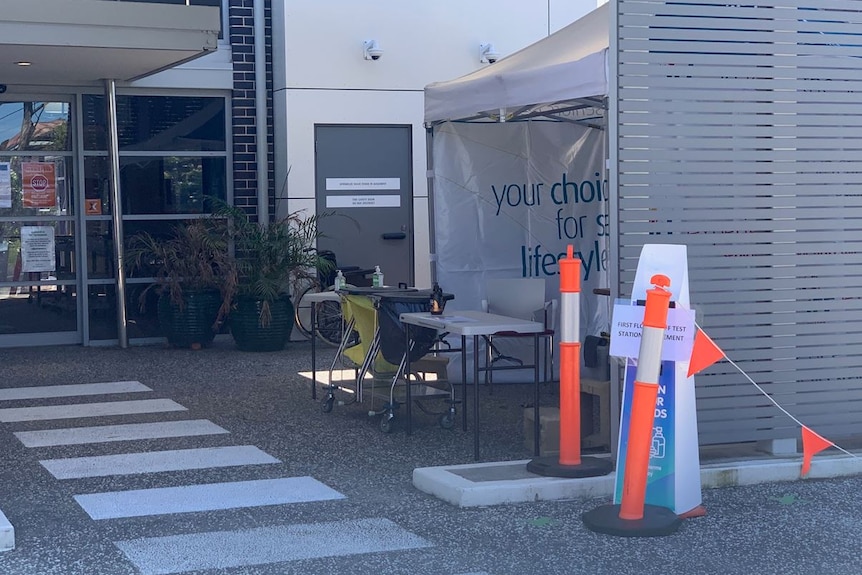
pixel 775 403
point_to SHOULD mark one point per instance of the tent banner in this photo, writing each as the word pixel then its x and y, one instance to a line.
pixel 509 198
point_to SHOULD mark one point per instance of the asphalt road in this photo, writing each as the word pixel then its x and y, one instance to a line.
pixel 356 511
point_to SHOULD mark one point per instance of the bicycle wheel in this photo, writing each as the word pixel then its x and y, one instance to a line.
pixel 302 307
pixel 330 325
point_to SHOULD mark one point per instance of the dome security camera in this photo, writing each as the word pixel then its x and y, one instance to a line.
pixel 373 51
pixel 488 54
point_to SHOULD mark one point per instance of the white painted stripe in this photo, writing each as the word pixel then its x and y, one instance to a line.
pixel 109 433
pixel 12 414
pixel 226 549
pixel 7 534
pixel 72 390
pixel 156 461
pixel 208 497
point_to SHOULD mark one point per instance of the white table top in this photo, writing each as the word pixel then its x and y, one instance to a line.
pixel 472 322
pixel 322 296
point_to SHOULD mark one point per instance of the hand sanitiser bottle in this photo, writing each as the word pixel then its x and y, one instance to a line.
pixel 340 281
pixel 377 277
pixel 436 300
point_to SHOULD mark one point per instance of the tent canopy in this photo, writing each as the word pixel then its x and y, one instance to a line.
pixel 570 64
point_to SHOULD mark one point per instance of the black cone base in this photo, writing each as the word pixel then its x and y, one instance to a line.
pixel 588 467
pixel 656 522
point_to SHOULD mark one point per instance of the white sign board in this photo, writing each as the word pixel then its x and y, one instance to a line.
pixel 364 201
pixel 626 327
pixel 37 249
pixel 348 184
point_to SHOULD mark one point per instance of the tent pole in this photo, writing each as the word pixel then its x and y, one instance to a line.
pixel 429 174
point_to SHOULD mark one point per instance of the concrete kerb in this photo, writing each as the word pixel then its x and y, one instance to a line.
pixel 496 483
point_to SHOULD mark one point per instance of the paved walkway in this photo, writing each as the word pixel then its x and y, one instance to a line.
pixel 217 462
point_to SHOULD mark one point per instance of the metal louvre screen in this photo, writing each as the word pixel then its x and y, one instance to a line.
pixel 740 135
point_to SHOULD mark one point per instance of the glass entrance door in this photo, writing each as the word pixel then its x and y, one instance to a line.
pixel 39 303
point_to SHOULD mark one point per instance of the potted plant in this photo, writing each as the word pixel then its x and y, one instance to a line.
pixel 195 277
pixel 270 258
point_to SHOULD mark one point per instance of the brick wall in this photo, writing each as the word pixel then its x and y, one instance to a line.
pixel 243 113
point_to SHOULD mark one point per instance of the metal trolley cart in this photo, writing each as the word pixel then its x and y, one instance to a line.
pixel 359 348
pixel 395 348
pixel 374 343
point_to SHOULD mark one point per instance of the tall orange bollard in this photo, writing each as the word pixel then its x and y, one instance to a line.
pixel 632 517
pixel 570 463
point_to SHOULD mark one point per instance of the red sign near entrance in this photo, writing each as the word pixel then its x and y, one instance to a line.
pixel 39 184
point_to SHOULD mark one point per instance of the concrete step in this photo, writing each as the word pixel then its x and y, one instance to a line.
pixel 495 483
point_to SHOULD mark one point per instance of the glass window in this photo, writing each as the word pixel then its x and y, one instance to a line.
pixel 100 250
pixel 97 186
pixel 31 126
pixel 170 184
pixel 38 308
pixel 36 186
pixel 158 123
pixel 44 264
pixel 141 312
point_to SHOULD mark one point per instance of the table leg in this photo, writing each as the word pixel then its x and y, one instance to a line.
pixel 313 351
pixel 464 383
pixel 536 426
pixel 407 381
pixel 476 397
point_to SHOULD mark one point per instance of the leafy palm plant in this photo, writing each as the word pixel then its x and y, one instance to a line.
pixel 272 257
pixel 195 256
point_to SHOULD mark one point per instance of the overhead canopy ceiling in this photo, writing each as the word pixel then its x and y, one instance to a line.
pixel 83 42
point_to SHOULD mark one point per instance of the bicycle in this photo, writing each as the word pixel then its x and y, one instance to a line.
pixel 328 325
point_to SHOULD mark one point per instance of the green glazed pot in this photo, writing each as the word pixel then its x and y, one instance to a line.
pixel 192 325
pixel 250 335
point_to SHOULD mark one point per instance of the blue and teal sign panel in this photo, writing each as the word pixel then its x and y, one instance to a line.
pixel 661 477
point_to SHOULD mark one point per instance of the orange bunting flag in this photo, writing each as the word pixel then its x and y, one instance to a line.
pixel 811 445
pixel 703 354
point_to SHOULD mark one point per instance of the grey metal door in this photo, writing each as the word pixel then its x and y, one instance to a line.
pixel 364 180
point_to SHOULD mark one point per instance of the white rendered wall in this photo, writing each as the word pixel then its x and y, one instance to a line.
pixel 322 77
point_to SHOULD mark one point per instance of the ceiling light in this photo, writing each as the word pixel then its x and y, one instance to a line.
pixel 23 63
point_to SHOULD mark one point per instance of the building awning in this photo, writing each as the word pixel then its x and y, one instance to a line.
pixel 83 42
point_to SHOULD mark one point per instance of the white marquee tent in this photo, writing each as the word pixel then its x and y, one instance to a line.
pixel 563 78
pixel 570 64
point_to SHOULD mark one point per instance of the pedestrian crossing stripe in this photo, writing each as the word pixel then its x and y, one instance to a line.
pixel 205 497
pixel 112 433
pixel 266 545
pixel 80 410
pixel 50 391
pixel 156 461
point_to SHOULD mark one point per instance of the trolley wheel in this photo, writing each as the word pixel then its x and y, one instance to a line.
pixel 386 423
pixel 326 404
pixel 447 420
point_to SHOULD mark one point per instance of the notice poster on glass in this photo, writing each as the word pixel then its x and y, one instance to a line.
pixel 5 185
pixel 37 249
pixel 39 184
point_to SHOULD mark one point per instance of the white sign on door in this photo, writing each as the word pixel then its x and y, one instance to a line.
pixel 347 184
pixel 364 201
pixel 37 249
